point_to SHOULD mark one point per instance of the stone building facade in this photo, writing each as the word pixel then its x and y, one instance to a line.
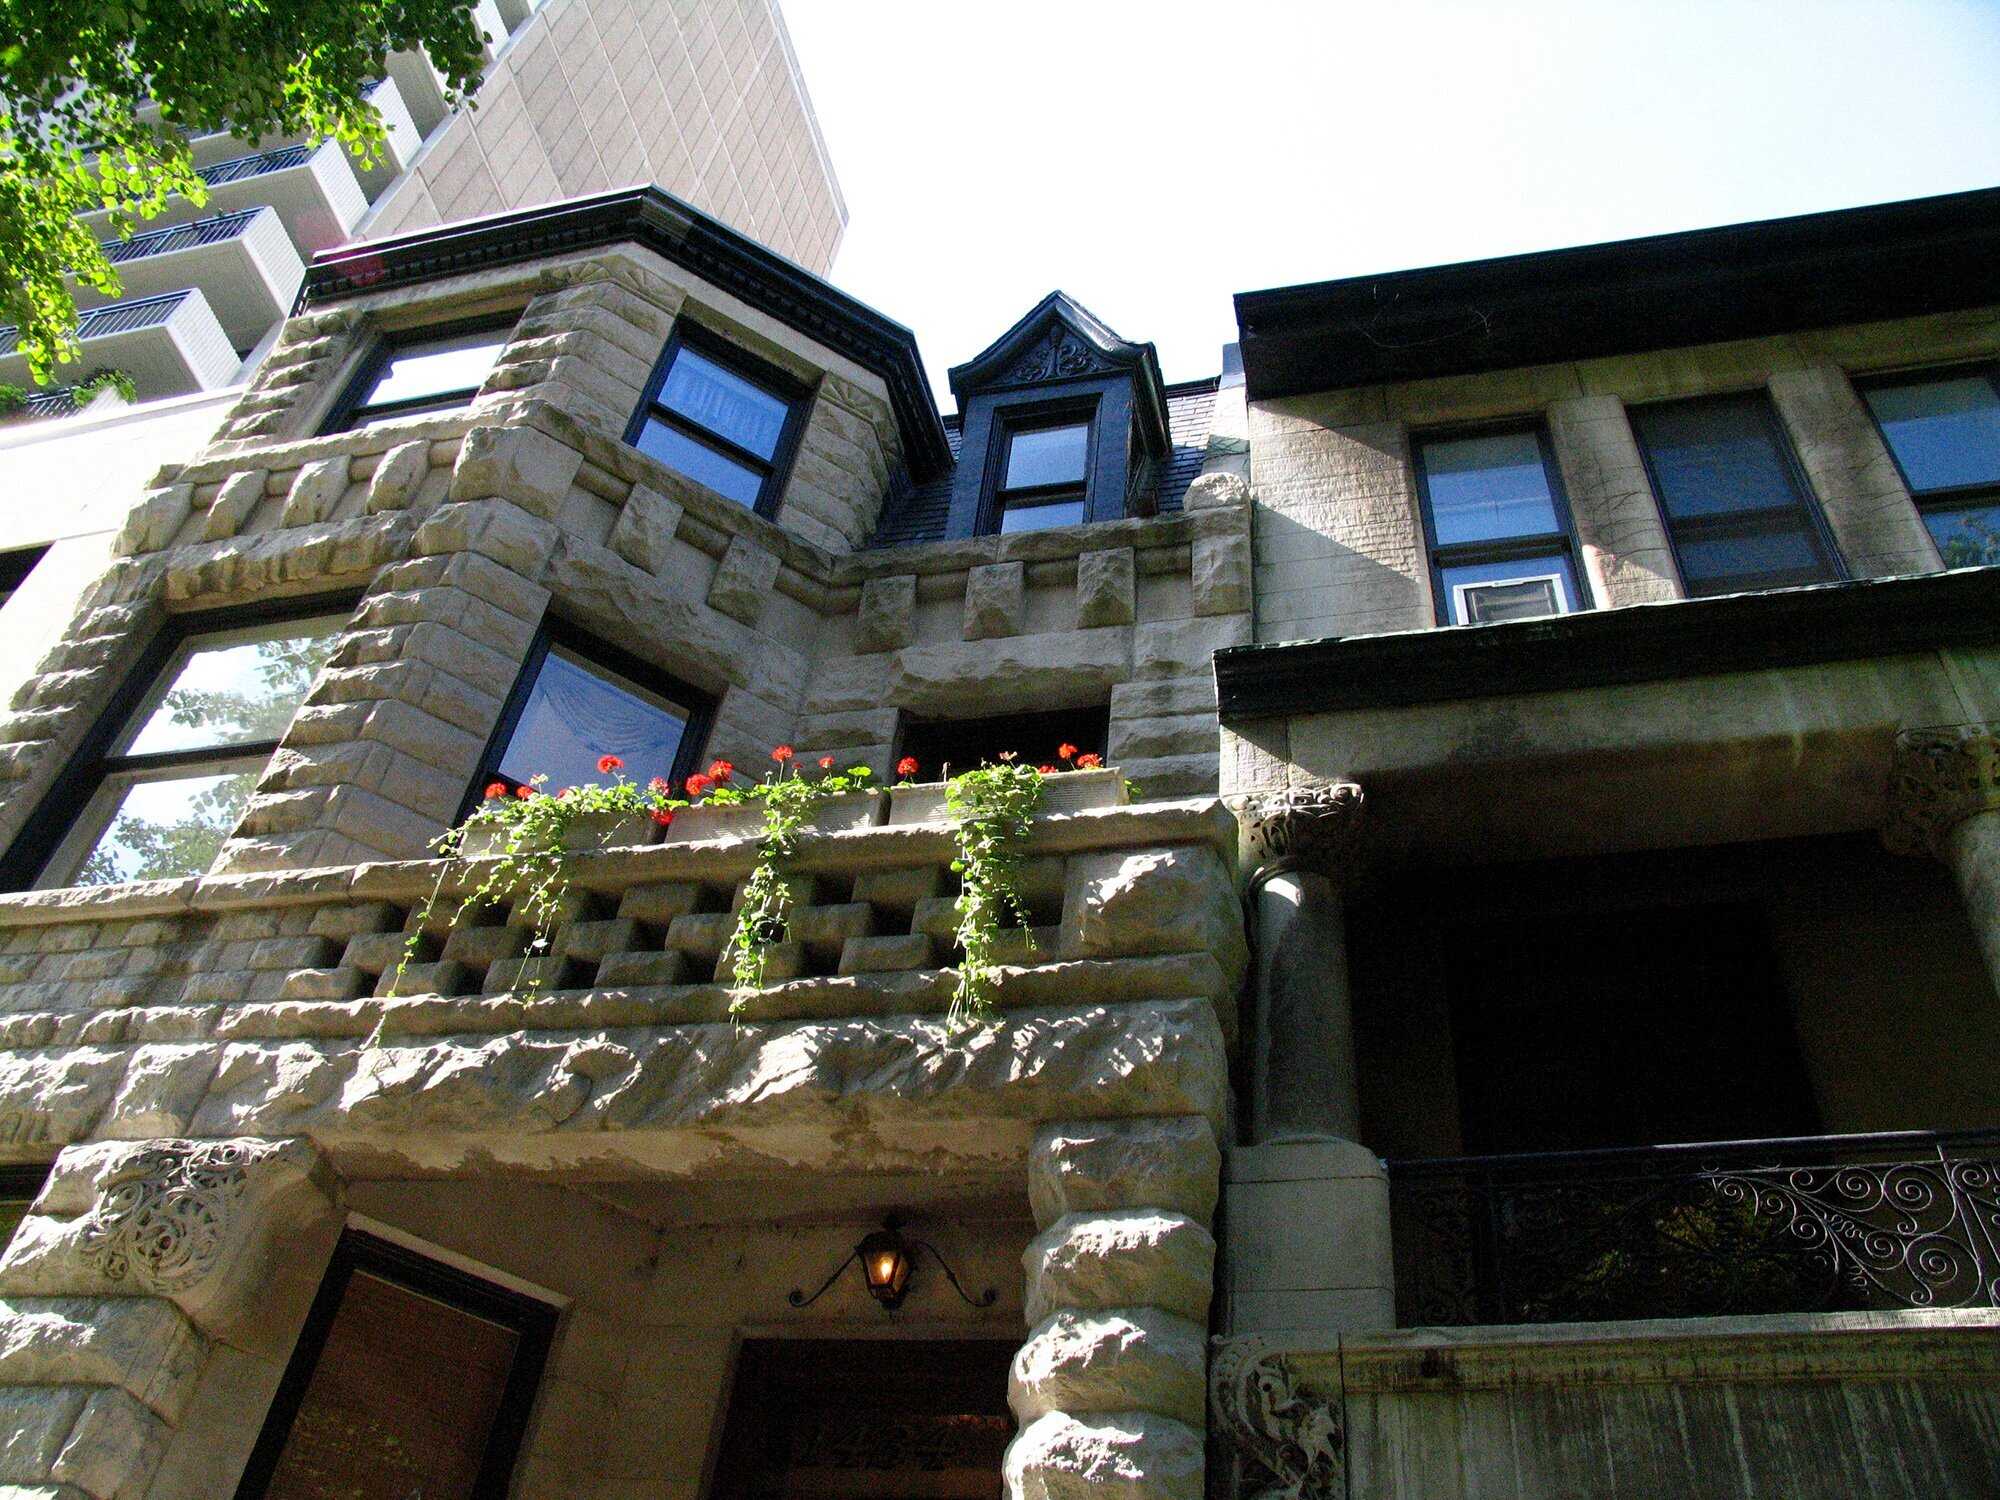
pixel 1240 1191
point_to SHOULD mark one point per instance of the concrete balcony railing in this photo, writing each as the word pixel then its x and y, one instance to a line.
pixel 170 344
pixel 314 189
pixel 244 263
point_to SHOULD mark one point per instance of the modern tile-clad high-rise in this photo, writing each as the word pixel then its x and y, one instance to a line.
pixel 1517 1014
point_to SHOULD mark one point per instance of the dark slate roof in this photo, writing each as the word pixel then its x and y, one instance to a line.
pixel 919 514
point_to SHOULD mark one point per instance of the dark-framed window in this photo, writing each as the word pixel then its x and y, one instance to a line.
pixel 1034 738
pixel 1497 526
pixel 578 699
pixel 164 775
pixel 420 370
pixel 411 1377
pixel 15 567
pixel 1738 510
pixel 1041 470
pixel 1942 427
pixel 20 1185
pixel 722 417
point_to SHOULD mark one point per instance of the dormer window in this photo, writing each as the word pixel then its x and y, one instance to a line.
pixel 1045 477
pixel 722 418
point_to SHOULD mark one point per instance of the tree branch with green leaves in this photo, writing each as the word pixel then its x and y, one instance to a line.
pixel 99 100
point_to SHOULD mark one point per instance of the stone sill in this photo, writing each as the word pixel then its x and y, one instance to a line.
pixel 1786 1346
pixel 1201 820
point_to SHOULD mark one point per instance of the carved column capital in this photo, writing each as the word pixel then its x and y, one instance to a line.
pixel 1315 828
pixel 1940 777
pixel 1278 1442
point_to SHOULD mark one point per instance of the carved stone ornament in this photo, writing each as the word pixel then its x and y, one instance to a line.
pixel 1316 828
pixel 1060 356
pixel 165 1216
pixel 1279 1443
pixel 1940 778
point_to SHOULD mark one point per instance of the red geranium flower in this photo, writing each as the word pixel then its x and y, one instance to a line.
pixel 907 766
pixel 663 816
pixel 524 792
pixel 1046 770
pixel 720 770
pixel 699 783
pixel 609 763
pixel 1065 751
pixel 496 789
pixel 826 762
pixel 782 754
pixel 1089 762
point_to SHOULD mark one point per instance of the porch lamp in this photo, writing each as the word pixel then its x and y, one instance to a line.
pixel 887 1258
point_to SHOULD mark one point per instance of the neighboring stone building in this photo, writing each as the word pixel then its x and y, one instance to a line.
pixel 581 1223
pixel 579 96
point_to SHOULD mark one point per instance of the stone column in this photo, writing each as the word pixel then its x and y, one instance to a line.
pixel 131 1296
pixel 1866 506
pixel 1110 1387
pixel 1944 799
pixel 1618 525
pixel 1306 1222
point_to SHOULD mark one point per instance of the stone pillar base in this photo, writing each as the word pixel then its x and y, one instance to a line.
pixel 1305 1234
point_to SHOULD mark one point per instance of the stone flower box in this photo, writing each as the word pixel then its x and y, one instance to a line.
pixel 746 819
pixel 589 832
pixel 1064 792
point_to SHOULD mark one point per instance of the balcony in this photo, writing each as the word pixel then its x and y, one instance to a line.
pixel 404 135
pixel 170 345
pixel 314 189
pixel 244 263
pixel 1907 1219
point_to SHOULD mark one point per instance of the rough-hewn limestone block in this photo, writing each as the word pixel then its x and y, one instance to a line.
pixel 1213 491
pixel 34 1422
pixel 113 1449
pixel 888 617
pixel 1104 587
pixel 316 491
pixel 233 504
pixel 1116 1360
pixel 743 579
pixel 516 463
pixel 1091 1165
pixel 1153 901
pixel 143 1345
pixel 1183 648
pixel 1019 672
pixel 1136 1257
pixel 505 533
pixel 644 532
pixel 1221 574
pixel 995 595
pixel 1127 1455
pixel 151 524
pixel 397 477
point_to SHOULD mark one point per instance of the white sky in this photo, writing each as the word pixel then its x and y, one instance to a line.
pixel 1151 157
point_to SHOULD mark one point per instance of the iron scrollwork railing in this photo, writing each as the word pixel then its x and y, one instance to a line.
pixel 1808 1224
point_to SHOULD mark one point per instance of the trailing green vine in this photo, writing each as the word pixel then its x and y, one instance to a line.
pixel 990 810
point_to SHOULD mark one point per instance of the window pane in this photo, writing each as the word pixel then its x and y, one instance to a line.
pixel 1048 455
pixel 1041 517
pixel 1763 560
pixel 1712 457
pixel 426 367
pixel 578 712
pixel 401 1402
pixel 700 462
pixel 1553 591
pixel 724 402
pixel 1944 432
pixel 1484 488
pixel 1967 538
pixel 165 829
pixel 242 686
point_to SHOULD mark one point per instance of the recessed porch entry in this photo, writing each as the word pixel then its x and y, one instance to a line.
pixel 866 1419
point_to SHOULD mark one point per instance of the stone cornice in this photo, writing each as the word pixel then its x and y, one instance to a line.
pixel 1607 647
pixel 1941 776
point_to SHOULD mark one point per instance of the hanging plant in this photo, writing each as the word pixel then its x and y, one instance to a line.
pixel 533 832
pixel 990 811
pixel 789 800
